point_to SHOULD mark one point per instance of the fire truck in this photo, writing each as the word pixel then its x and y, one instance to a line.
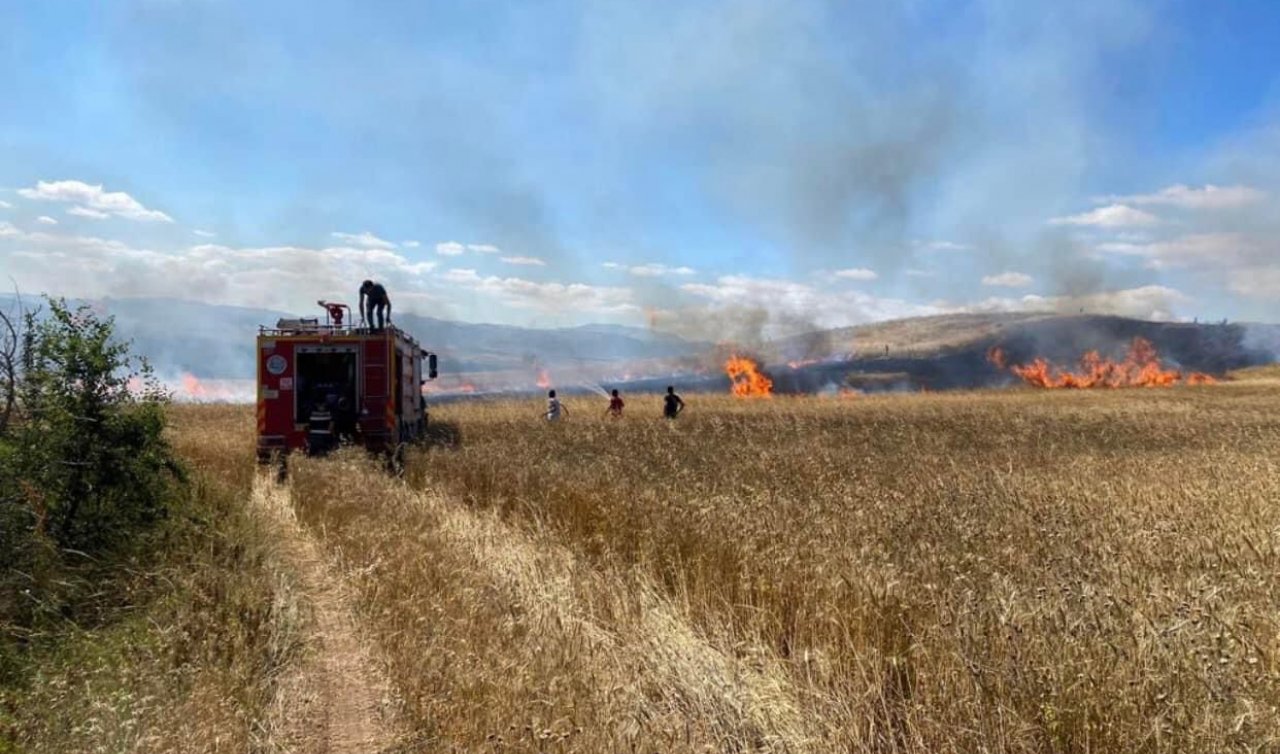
pixel 369 381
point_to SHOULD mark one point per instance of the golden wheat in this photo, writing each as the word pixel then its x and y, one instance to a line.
pixel 1017 571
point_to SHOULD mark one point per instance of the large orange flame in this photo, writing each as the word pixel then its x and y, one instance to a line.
pixel 1141 367
pixel 747 379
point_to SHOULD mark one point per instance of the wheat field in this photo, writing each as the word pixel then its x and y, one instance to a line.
pixel 1000 571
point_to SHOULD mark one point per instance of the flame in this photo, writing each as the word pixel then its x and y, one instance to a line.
pixel 544 379
pixel 1141 367
pixel 801 363
pixel 192 387
pixel 748 381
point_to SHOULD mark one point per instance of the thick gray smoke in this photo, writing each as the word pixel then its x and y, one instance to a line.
pixel 849 159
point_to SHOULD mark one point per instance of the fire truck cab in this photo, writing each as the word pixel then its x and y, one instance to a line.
pixel 369 381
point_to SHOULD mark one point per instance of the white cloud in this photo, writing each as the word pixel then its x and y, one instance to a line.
pixel 205 233
pixel 650 269
pixel 1247 265
pixel 455 249
pixel 1196 250
pixel 1187 197
pixel 46 220
pixel 411 244
pixel 96 214
pixel 1110 216
pixel 527 261
pixel 658 270
pixel 280 278
pixel 44 239
pixel 1153 302
pixel 857 273
pixel 553 298
pixel 942 245
pixel 5 205
pixel 364 240
pixel 116 203
pixel 1008 280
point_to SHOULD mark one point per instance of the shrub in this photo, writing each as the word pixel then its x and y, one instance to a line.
pixel 91 464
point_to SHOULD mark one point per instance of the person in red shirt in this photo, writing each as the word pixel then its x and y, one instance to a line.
pixel 615 405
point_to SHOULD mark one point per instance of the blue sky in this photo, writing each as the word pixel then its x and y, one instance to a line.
pixel 702 166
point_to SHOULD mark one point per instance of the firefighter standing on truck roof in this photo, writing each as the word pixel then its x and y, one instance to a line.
pixel 374 298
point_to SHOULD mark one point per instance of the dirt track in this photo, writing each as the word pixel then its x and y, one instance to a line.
pixel 337 700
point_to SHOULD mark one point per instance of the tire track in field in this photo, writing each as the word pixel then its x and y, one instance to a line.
pixel 336 700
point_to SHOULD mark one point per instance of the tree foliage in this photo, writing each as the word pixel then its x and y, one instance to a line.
pixel 85 470
pixel 89 443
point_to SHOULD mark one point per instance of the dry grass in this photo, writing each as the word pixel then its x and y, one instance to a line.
pixel 1014 571
pixel 187 662
pixel 1265 373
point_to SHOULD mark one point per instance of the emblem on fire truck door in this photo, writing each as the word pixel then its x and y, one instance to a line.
pixel 277 364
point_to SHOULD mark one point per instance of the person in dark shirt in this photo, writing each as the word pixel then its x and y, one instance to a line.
pixel 615 405
pixel 672 404
pixel 374 300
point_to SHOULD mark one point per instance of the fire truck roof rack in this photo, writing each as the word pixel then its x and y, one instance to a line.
pixel 286 327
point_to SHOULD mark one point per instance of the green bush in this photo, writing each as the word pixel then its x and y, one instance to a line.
pixel 85 472
pixel 88 447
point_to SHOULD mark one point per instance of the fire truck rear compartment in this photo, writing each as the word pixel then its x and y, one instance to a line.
pixel 323 371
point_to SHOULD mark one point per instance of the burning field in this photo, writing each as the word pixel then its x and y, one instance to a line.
pixel 940 353
pixel 1140 367
pixel 908 573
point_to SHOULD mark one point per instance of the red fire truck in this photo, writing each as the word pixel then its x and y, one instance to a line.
pixel 368 381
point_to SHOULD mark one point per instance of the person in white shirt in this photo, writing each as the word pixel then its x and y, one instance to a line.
pixel 555 408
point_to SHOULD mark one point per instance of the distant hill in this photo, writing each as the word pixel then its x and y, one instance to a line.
pixel 216 342
pixel 1024 335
